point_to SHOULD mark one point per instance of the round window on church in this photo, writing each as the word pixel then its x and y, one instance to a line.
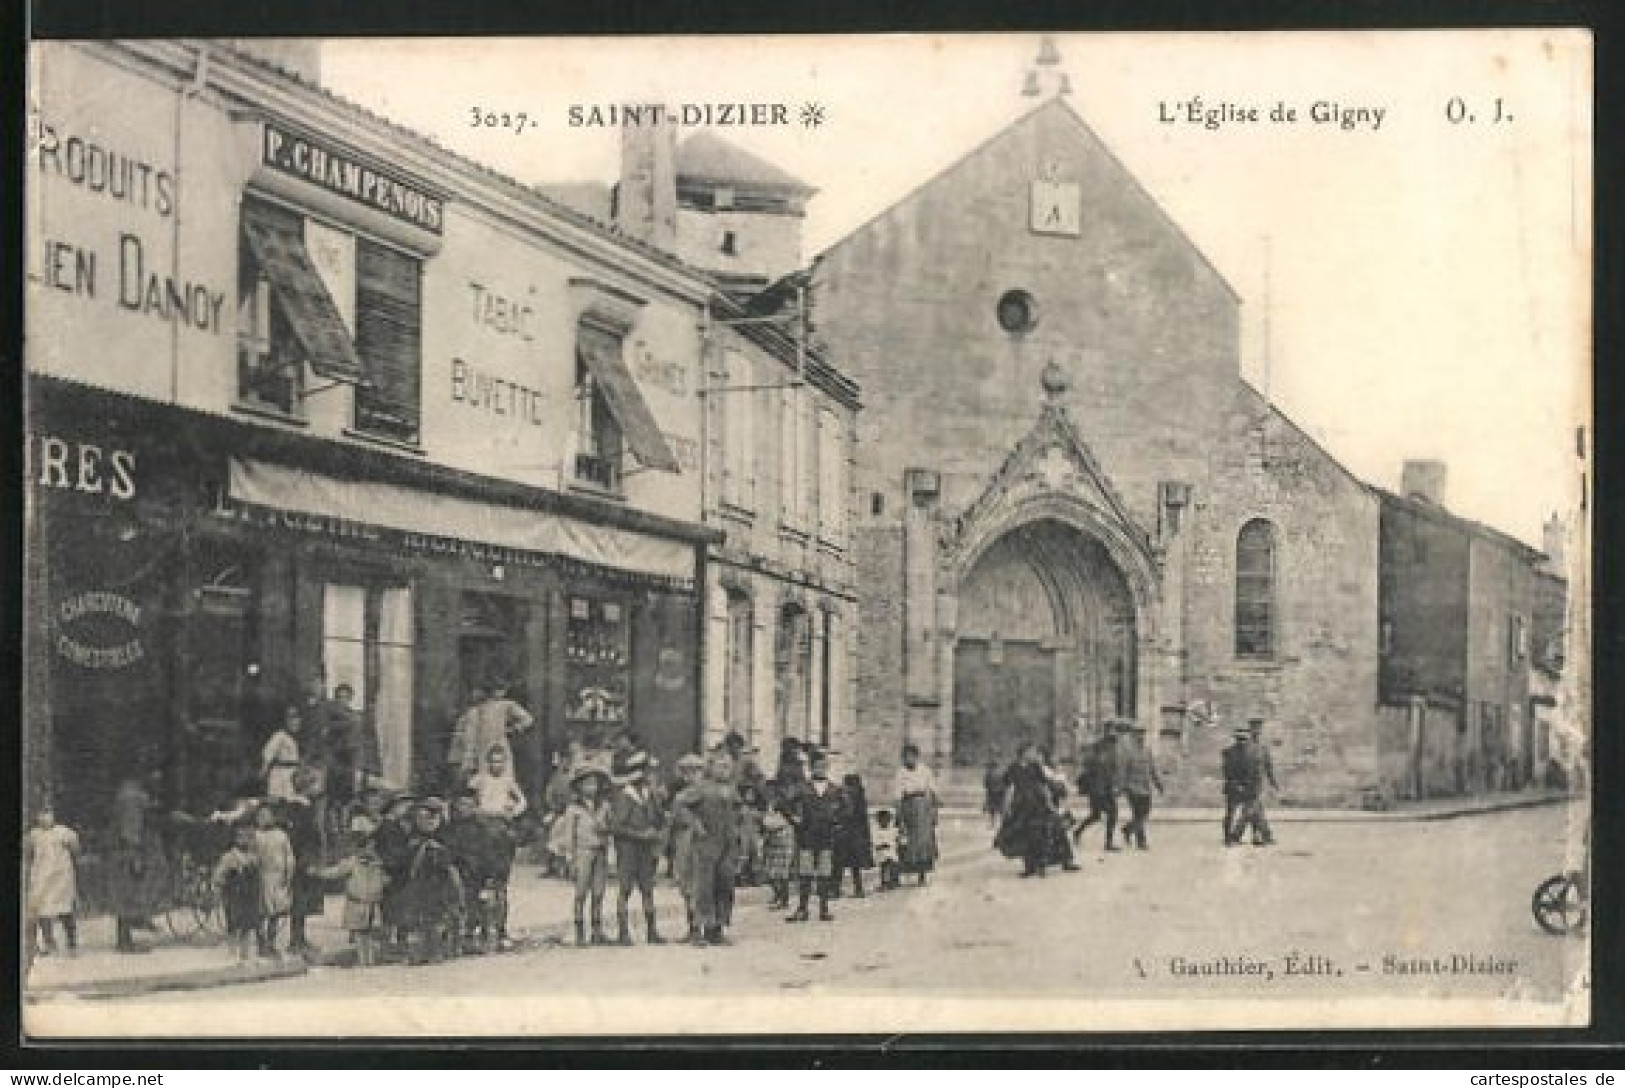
pixel 1018 312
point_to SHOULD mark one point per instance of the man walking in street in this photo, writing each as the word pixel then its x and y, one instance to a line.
pixel 1261 770
pixel 1233 763
pixel 1099 782
pixel 1139 779
pixel 638 822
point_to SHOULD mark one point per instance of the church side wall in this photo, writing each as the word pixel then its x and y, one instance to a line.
pixel 1318 692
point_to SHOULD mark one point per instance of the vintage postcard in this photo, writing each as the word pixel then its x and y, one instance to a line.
pixel 966 532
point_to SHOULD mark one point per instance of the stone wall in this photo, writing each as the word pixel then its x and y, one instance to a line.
pixel 1318 690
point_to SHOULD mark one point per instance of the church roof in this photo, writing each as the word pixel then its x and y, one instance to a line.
pixel 705 156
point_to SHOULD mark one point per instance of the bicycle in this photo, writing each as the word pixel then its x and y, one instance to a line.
pixel 195 908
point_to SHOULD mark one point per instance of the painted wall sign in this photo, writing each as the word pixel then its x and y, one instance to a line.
pixel 83 467
pixel 338 172
pixel 142 287
pixel 90 626
pixel 668 374
pixel 501 314
pixel 496 395
pixel 102 169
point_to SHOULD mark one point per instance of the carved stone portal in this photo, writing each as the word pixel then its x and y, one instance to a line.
pixel 1045 605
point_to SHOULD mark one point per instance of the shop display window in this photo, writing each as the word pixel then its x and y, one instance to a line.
pixel 597 658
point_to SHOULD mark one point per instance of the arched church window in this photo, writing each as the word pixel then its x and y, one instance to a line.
pixel 1255 589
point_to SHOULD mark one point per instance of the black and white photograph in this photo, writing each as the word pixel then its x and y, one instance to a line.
pixel 720 535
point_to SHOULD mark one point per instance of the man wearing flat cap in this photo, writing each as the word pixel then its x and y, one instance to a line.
pixel 1233 762
pixel 1261 770
pixel 1139 778
pixel 1099 782
pixel 638 821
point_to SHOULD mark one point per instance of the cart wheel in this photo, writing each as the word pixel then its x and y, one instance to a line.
pixel 1558 905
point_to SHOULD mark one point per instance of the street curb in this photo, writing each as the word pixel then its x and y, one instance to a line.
pixel 1281 814
pixel 208 979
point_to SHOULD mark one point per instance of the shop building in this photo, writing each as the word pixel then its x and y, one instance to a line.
pixel 314 401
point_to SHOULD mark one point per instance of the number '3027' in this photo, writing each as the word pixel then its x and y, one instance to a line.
pixel 479 117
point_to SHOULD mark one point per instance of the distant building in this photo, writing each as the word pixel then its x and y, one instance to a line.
pixel 1469 617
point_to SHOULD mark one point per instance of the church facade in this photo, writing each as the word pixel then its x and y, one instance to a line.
pixel 1070 505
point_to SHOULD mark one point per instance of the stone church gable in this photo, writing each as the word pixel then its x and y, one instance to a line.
pixel 1055 125
pixel 1145 330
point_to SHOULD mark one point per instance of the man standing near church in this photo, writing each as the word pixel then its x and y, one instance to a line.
pixel 1234 765
pixel 1261 770
pixel 1140 777
pixel 1100 781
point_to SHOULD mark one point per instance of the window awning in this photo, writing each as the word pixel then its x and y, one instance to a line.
pixel 411 511
pixel 602 353
pixel 280 250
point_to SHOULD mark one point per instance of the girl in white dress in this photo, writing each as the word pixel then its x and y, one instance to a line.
pixel 52 853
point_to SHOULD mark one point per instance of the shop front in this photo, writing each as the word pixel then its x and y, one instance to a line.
pixel 190 576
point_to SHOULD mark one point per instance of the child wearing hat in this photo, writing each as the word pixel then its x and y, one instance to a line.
pixel 638 823
pixel 431 903
pixel 585 835
pixel 815 813
pixel 364 882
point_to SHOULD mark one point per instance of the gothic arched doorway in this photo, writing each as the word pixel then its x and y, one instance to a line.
pixel 1046 643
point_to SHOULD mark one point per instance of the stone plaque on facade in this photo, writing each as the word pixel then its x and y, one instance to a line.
pixel 1057 207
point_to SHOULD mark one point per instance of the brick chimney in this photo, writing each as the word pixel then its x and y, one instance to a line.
pixel 646 198
pixel 1424 480
pixel 1555 541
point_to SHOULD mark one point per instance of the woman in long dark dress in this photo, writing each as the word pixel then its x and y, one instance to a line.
pixel 917 814
pixel 1026 831
pixel 854 851
pixel 138 871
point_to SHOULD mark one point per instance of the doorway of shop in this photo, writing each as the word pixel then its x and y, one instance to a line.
pixel 491 650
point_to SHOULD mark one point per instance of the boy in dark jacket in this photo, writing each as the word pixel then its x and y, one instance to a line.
pixel 638 821
pixel 481 851
pixel 431 902
pixel 814 812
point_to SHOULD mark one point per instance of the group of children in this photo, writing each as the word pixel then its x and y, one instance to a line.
pixel 720 825
pixel 422 879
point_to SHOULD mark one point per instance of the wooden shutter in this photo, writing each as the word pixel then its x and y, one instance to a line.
pixel 388 340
